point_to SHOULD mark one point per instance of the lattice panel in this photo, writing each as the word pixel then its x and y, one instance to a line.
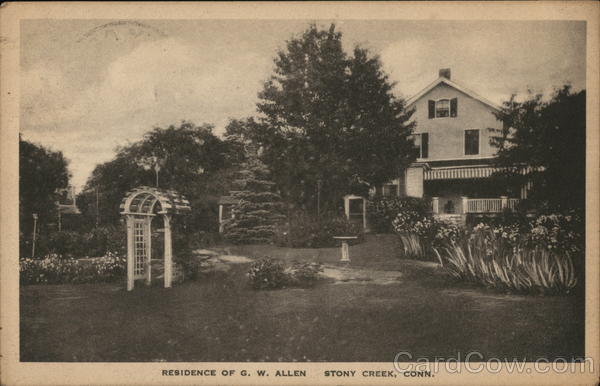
pixel 139 237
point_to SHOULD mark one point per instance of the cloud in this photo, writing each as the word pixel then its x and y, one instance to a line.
pixel 492 63
pixel 156 84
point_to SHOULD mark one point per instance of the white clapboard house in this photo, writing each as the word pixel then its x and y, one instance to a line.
pixel 455 157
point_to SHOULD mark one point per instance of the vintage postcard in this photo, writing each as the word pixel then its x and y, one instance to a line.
pixel 299 193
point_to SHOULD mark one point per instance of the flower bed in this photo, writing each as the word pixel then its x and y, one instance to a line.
pixel 53 269
pixel 495 260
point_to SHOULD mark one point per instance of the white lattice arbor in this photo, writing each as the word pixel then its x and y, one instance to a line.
pixel 140 206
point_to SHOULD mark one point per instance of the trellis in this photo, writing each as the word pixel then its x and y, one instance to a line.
pixel 140 206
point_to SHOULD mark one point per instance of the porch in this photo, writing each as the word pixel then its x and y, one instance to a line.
pixel 476 205
pixel 472 206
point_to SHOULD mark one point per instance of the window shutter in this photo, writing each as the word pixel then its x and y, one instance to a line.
pixel 453 107
pixel 424 145
pixel 431 109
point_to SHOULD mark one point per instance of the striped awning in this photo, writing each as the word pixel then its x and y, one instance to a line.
pixel 466 172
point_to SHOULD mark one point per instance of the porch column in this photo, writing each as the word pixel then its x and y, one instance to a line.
pixel 435 205
pixel 130 252
pixel 504 202
pixel 414 181
pixel 465 204
pixel 168 252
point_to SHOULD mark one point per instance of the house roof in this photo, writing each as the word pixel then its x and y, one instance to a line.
pixel 452 84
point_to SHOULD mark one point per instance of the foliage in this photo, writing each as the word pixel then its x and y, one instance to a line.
pixel 419 235
pixel 68 244
pixel 329 123
pixel 193 161
pixel 417 229
pixel 106 239
pixel 303 230
pixel 259 207
pixel 493 262
pixel 54 269
pixel 549 136
pixel 383 210
pixel 304 274
pixel 563 233
pixel 41 172
pixel 73 244
pixel 270 273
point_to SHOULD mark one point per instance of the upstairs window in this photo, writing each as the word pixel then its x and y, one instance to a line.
pixel 471 142
pixel 443 108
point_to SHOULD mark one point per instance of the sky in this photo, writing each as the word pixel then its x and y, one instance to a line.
pixel 88 86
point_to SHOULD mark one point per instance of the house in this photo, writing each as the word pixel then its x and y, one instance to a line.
pixel 454 155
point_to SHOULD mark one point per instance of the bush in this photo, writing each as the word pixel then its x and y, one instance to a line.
pixel 269 273
pixel 105 239
pixel 419 233
pixel 54 269
pixel 306 231
pixel 304 274
pixel 494 261
pixel 382 211
pixel 68 244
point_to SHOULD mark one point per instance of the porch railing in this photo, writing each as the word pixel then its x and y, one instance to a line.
pixel 490 205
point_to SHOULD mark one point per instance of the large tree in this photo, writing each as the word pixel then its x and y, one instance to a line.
pixel 41 173
pixel 329 123
pixel 548 135
pixel 192 161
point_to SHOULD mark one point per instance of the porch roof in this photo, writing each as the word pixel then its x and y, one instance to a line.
pixel 465 172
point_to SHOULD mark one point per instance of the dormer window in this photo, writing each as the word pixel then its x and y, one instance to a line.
pixel 443 108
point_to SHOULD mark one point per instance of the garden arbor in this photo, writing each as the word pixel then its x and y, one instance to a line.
pixel 140 206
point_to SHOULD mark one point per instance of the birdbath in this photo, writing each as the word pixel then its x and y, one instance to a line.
pixel 345 252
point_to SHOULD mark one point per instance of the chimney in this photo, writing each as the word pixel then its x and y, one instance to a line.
pixel 445 73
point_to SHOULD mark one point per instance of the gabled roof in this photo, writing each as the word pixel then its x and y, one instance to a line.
pixel 450 83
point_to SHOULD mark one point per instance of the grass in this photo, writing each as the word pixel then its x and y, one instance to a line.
pixel 220 318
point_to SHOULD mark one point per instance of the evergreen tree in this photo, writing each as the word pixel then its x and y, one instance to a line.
pixel 259 207
pixel 330 124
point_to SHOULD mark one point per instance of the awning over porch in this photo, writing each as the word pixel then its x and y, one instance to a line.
pixel 465 172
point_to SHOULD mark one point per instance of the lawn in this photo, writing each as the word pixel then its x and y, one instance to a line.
pixel 219 318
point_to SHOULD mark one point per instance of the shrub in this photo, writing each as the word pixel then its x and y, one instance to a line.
pixel 493 261
pixel 304 273
pixel 54 269
pixel 383 210
pixel 268 274
pixel 67 244
pixel 306 231
pixel 419 233
pixel 105 239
